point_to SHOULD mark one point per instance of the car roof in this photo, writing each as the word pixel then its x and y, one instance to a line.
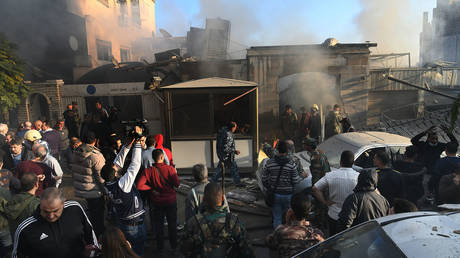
pixel 364 138
pixel 424 234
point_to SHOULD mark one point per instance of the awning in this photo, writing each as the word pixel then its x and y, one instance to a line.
pixel 213 82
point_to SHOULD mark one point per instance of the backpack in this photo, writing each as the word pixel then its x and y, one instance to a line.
pixel 217 242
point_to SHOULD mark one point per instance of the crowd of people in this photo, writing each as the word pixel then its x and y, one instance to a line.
pixel 123 183
pixel 345 197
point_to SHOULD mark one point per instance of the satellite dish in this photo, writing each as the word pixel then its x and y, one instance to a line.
pixel 73 42
pixel 165 34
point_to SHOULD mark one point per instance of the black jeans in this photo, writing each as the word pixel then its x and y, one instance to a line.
pixel 159 212
pixel 96 209
pixel 333 227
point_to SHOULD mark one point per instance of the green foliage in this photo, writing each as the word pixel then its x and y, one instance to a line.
pixel 454 113
pixel 12 87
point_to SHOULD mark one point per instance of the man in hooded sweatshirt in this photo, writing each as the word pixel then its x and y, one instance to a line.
pixel 365 203
pixel 167 152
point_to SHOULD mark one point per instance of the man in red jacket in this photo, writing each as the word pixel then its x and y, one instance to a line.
pixel 161 180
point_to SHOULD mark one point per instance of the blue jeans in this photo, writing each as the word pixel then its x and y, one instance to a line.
pixel 136 235
pixel 229 166
pixel 281 204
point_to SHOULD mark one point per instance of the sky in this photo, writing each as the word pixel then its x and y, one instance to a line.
pixel 394 24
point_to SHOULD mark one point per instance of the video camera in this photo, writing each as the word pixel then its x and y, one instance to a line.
pixel 130 131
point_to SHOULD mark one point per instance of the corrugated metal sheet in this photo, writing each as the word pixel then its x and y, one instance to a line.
pixel 412 127
pixel 442 77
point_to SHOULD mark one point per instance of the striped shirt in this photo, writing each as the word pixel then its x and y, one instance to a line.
pixel 288 179
pixel 340 183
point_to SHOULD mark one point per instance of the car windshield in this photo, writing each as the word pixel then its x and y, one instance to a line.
pixel 333 148
pixel 367 240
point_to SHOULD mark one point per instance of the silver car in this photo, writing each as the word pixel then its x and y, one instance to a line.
pixel 415 234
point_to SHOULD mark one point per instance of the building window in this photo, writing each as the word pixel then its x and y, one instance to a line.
pixel 124 55
pixel 123 18
pixel 104 2
pixel 104 50
pixel 135 12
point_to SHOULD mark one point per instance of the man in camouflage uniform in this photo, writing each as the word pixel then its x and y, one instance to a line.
pixel 296 160
pixel 289 123
pixel 215 232
pixel 333 124
pixel 297 234
pixel 226 152
pixel 319 165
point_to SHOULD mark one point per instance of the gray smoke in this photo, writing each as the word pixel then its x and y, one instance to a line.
pixel 250 28
pixel 394 24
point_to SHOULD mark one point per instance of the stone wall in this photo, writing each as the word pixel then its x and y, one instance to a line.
pixel 43 102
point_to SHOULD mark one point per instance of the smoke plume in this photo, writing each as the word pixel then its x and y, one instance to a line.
pixel 390 24
pixel 394 24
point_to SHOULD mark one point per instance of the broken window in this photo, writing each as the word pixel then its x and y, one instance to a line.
pixel 366 159
pixel 124 55
pixel 104 50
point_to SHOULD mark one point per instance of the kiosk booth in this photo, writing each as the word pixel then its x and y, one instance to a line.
pixel 196 110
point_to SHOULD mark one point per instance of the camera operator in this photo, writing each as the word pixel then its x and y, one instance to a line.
pixel 124 199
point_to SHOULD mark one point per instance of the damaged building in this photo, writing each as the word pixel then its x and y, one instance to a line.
pixel 66 39
pixel 208 43
pixel 440 39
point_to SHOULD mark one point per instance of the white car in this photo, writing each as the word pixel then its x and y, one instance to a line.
pixel 413 235
pixel 363 144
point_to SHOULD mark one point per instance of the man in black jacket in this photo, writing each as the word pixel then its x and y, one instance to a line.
pixel 226 152
pixel 58 229
pixel 430 150
pixel 15 154
pixel 365 203
pixel 391 183
pixel 412 173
